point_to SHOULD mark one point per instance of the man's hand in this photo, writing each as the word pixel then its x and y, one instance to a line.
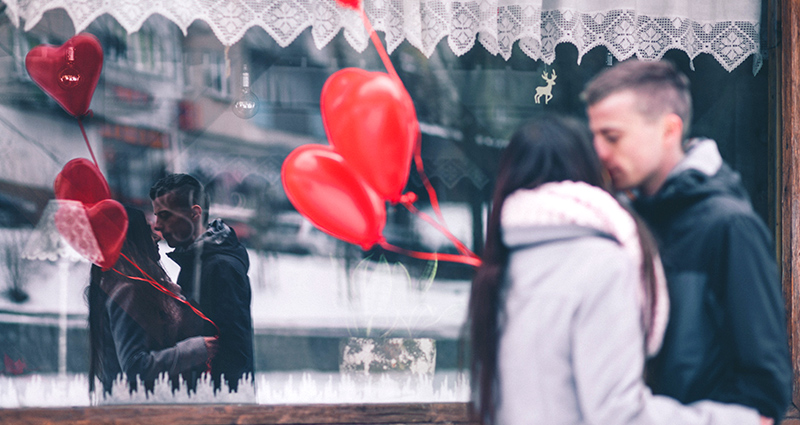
pixel 212 346
pixel 766 421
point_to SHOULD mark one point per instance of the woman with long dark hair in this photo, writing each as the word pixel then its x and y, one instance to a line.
pixel 137 330
pixel 570 298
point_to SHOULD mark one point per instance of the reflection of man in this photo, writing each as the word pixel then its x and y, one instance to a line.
pixel 213 270
pixel 726 339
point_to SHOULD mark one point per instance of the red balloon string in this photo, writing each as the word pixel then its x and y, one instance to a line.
pixel 467 256
pixel 426 182
pixel 164 290
pixel 458 244
pixel 83 131
pixel 435 256
pixel 441 225
pixel 378 46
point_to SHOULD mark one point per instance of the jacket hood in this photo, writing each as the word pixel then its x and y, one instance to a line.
pixel 219 238
pixel 565 210
pixel 702 173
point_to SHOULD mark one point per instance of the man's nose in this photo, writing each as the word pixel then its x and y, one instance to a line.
pixel 601 147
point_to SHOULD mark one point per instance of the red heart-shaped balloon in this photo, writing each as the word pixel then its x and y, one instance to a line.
pixel 323 188
pixel 97 232
pixel 68 73
pixel 80 180
pixel 352 4
pixel 109 222
pixel 370 120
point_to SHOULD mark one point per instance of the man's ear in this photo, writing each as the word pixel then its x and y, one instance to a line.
pixel 673 130
pixel 197 212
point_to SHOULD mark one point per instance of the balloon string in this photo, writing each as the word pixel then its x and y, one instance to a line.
pixel 83 131
pixel 164 290
pixel 387 63
pixel 442 224
pixel 458 244
pixel 373 35
pixel 426 182
pixel 463 259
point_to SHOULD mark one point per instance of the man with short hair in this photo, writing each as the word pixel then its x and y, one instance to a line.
pixel 726 338
pixel 213 272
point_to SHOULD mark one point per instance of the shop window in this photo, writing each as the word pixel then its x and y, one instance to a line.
pixel 164 105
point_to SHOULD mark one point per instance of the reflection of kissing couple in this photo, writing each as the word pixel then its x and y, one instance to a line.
pixel 141 331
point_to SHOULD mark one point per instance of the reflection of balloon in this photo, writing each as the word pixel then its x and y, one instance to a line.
pixel 68 73
pixel 370 120
pixel 352 4
pixel 95 232
pixel 109 224
pixel 325 190
pixel 90 221
pixel 80 180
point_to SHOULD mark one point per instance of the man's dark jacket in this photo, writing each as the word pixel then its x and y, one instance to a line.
pixel 219 263
pixel 726 338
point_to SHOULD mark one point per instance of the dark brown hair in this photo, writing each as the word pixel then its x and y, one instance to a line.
pixel 140 248
pixel 187 191
pixel 549 148
pixel 660 87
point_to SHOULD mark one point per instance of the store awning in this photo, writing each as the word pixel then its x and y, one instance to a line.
pixel 726 29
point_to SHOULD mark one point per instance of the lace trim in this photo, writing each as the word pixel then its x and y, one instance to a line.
pixel 69 236
pixel 496 26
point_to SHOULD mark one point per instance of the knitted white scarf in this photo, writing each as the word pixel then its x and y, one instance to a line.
pixel 581 204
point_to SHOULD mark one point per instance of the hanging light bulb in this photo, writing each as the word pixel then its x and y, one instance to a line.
pixel 246 105
pixel 69 77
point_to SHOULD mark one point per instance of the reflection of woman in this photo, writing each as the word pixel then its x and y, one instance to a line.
pixel 136 329
pixel 566 304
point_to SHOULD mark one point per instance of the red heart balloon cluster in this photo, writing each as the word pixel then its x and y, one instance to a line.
pixel 89 220
pixel 68 73
pixel 372 128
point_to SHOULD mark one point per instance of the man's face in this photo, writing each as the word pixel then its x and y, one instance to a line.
pixel 177 225
pixel 632 147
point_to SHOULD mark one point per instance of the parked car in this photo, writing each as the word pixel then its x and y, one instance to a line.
pixel 290 232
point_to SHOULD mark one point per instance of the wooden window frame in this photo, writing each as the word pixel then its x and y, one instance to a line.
pixel 783 26
pixel 211 414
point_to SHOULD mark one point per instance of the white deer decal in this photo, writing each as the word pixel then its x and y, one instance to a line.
pixel 546 91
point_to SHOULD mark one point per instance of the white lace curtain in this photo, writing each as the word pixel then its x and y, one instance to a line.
pixel 725 29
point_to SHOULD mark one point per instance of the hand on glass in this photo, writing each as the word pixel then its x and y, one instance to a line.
pixel 212 346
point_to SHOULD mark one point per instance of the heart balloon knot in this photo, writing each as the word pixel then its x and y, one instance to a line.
pixel 368 245
pixel 408 198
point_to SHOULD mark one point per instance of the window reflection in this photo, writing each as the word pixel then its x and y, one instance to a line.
pixel 163 105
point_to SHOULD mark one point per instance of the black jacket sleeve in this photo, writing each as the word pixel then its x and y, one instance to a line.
pixel 754 312
pixel 225 299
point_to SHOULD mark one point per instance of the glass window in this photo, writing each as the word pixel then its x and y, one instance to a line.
pixel 332 323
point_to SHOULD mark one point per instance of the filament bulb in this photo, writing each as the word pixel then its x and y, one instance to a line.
pixel 246 105
pixel 69 77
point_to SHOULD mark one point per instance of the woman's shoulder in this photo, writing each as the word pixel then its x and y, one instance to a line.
pixel 577 266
